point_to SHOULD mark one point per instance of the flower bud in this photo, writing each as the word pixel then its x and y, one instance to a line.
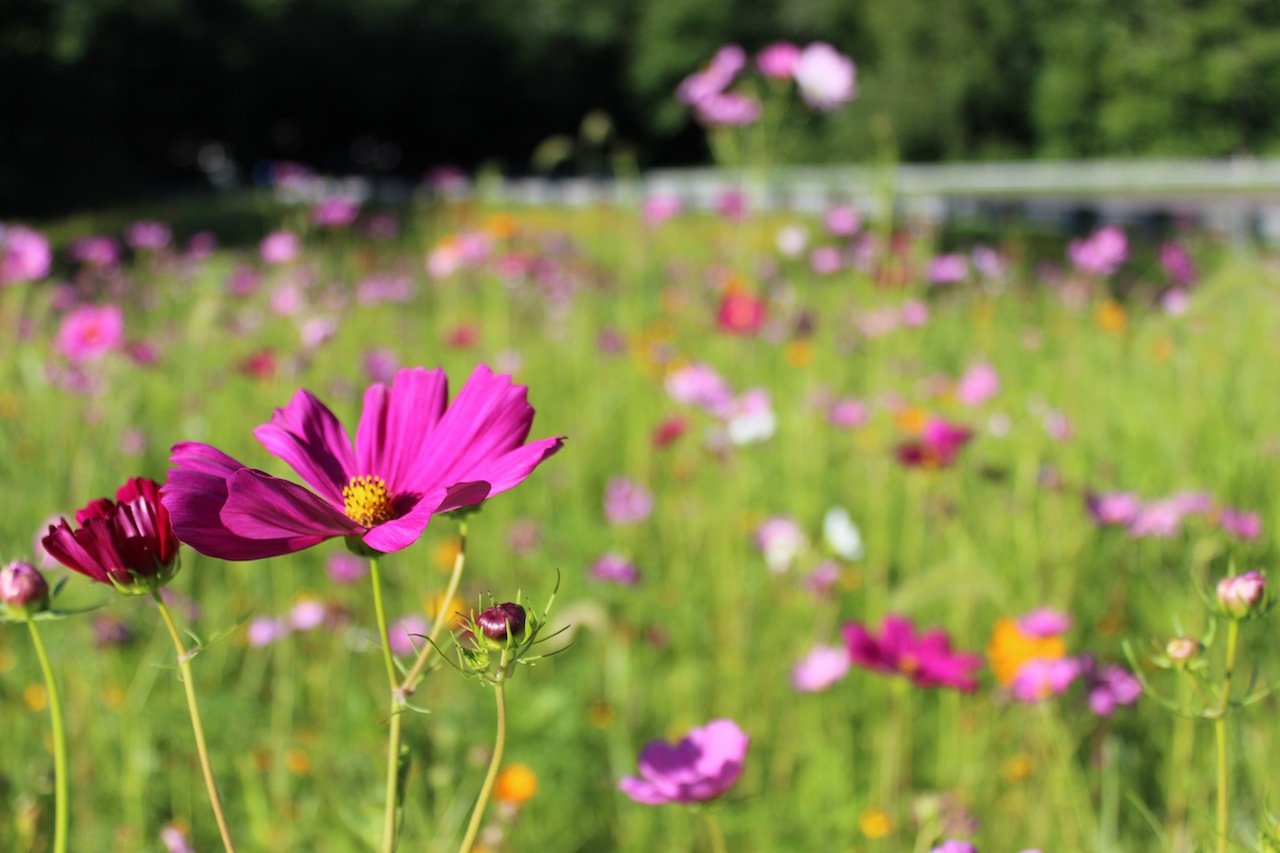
pixel 23 588
pixel 1241 595
pixel 1182 650
pixel 503 621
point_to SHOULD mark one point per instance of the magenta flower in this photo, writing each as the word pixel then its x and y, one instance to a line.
pixel 939 443
pixel 119 542
pixel 948 269
pixel 1101 253
pixel 615 568
pixel 90 332
pixel 825 77
pixel 335 212
pixel 1040 678
pixel 1178 266
pixel 1240 524
pixel 1113 508
pixel 820 669
pixel 147 235
pixel 702 766
pixel 978 385
pixel 842 220
pixel 1109 686
pixel 280 247
pixel 24 255
pixel 1044 622
pixel 626 501
pixel 415 455
pixel 926 659
pixel 714 78
pixel 778 60
pixel 96 251
pixel 657 209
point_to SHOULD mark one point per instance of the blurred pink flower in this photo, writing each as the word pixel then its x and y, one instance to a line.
pixel 939 443
pixel 344 567
pixel 1113 508
pixel 335 212
pixel 201 245
pixel 615 568
pixel 792 240
pixel 1040 678
pixel 380 365
pixel 732 205
pixel 24 255
pixel 406 635
pixel 280 247
pixel 702 766
pixel 989 263
pixel 90 332
pixel 820 669
pixel 1109 687
pixel 781 540
pixel 1178 265
pixel 914 313
pixel 847 413
pixel 842 220
pixel 657 209
pixel 308 614
pixel 978 385
pixel 1162 518
pixel 749 418
pixel 825 260
pixel 926 659
pixel 265 630
pixel 727 109
pixel 778 60
pixel 96 251
pixel 147 235
pixel 825 77
pixel 740 313
pixel 1240 524
pixel 1044 622
pixel 948 269
pixel 626 501
pixel 1101 253
pixel 714 78
pixel 699 385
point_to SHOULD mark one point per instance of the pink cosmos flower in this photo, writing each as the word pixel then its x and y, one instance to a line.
pixel 415 455
pixel 842 220
pixel 1041 678
pixel 926 659
pixel 825 260
pixel 90 332
pixel 1109 687
pixel 279 247
pixel 778 60
pixel 147 235
pixel 948 269
pixel 1113 508
pixel 1044 622
pixel 702 766
pixel 978 385
pixel 335 212
pixel 120 541
pixel 825 77
pixel 1161 519
pixel 1101 253
pixel 1178 265
pixel 781 540
pixel 96 251
pixel 914 313
pixel 938 446
pixel 265 630
pixel 727 109
pixel 1240 524
pixel 344 567
pixel 699 385
pixel 732 205
pixel 626 501
pixel 657 209
pixel 615 568
pixel 820 669
pixel 741 313
pixel 406 635
pixel 714 78
pixel 847 413
pixel 24 255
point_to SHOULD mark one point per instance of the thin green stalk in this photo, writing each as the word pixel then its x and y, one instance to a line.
pixel 713 831
pixel 1220 735
pixel 60 798
pixel 442 619
pixel 499 744
pixel 188 683
pixel 397 707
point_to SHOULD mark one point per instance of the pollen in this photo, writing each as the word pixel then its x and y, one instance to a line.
pixel 366 501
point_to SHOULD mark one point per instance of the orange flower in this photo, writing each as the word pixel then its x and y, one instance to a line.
pixel 1111 317
pixel 517 783
pixel 1010 648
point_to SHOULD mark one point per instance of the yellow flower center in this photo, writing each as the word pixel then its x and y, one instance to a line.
pixel 366 501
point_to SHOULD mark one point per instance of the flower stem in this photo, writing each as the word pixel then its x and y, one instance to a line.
pixel 397 706
pixel 60 800
pixel 1220 734
pixel 441 618
pixel 713 832
pixel 499 744
pixel 188 683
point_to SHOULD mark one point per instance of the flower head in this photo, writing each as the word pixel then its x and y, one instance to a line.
pixel 778 60
pixel 23 589
pixel 127 542
pixel 820 669
pixel 1102 253
pixel 89 332
pixel 1016 643
pixel 702 766
pixel 415 455
pixel 1240 596
pixel 825 77
pixel 926 659
pixel 938 446
pixel 1042 678
pixel 24 255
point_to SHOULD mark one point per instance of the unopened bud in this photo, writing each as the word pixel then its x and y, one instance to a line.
pixel 503 621
pixel 1182 649
pixel 22 587
pixel 1240 595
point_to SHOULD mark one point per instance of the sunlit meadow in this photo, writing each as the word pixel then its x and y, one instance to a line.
pixel 795 446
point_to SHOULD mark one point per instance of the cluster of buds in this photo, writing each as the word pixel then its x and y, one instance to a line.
pixel 498 638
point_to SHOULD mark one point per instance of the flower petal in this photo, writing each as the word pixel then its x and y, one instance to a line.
pixel 260 506
pixel 311 439
pixel 397 422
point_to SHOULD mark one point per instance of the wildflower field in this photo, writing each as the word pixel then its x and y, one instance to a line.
pixel 873 512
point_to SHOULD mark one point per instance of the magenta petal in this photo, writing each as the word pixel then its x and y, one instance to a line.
pixel 511 469
pixel 396 423
pixel 62 545
pixel 313 441
pixel 260 506
pixel 643 792
pixel 464 494
pixel 399 533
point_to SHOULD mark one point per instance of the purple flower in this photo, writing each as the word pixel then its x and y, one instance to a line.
pixel 778 60
pixel 279 247
pixel 1113 508
pixel 1040 678
pixel 265 630
pixel 1178 265
pixel 978 385
pixel 1102 253
pixel 415 455
pixel 626 501
pixel 335 212
pixel 615 568
pixel 842 220
pixel 713 79
pixel 825 77
pixel 702 766
pixel 1158 518
pixel 1240 524
pixel 926 659
pixel 948 269
pixel 147 235
pixel 24 255
pixel 1109 686
pixel 820 669
pixel 96 251
pixel 344 567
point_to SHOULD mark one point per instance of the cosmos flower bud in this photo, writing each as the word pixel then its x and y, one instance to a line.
pixel 1240 595
pixel 503 621
pixel 1182 650
pixel 23 588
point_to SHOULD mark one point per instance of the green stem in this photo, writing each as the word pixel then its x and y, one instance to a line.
pixel 397 706
pixel 442 619
pixel 1220 734
pixel 499 744
pixel 60 799
pixel 188 683
pixel 713 831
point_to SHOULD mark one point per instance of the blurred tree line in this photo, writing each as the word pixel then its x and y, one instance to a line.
pixel 110 99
